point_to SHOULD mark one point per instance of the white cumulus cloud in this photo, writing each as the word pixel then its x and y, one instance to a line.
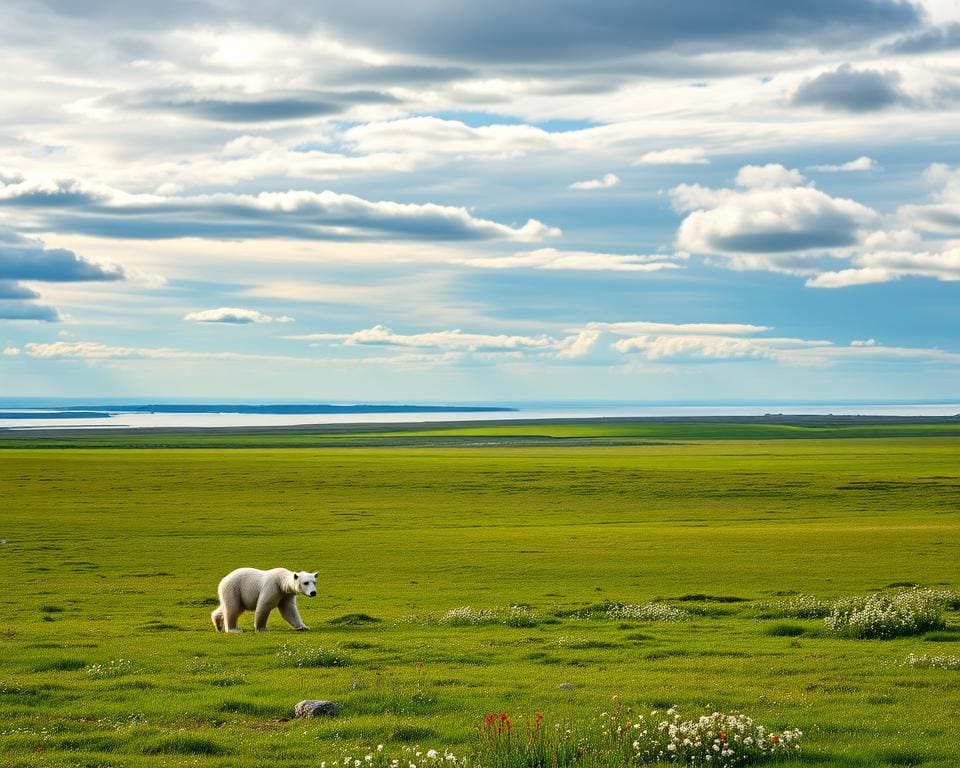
pixel 234 316
pixel 771 222
pixel 769 175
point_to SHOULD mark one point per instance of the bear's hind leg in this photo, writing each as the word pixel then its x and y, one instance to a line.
pixel 217 618
pixel 231 614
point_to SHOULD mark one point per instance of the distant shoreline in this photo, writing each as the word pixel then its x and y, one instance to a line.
pixel 104 411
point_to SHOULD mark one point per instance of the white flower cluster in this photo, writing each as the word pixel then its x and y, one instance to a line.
pixel 647 612
pixel 932 662
pixel 308 656
pixel 882 616
pixel 465 616
pixel 113 668
pixel 411 757
pixel 796 607
pixel 947 598
pixel 717 740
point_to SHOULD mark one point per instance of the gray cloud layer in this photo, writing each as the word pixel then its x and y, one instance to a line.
pixel 27 310
pixel 945 38
pixel 71 205
pixel 23 258
pixel 852 90
pixel 279 106
pixel 12 290
pixel 544 30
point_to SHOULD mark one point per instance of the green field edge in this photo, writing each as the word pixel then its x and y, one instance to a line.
pixel 534 433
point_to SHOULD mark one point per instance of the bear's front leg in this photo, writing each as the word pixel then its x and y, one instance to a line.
pixel 261 614
pixel 288 609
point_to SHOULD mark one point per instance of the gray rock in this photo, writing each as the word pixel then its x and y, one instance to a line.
pixel 566 686
pixel 316 708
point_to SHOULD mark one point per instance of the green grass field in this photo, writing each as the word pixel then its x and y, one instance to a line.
pixel 111 558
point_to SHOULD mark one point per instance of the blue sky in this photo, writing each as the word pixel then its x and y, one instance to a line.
pixel 461 201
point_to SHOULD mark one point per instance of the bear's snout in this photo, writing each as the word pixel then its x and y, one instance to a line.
pixel 313 594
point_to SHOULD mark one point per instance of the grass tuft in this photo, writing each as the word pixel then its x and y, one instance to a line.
pixel 355 619
pixel 186 745
pixel 61 665
pixel 782 629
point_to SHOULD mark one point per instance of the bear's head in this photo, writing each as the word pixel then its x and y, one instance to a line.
pixel 306 583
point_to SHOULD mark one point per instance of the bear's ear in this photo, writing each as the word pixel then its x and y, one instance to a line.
pixel 296 576
pixel 314 575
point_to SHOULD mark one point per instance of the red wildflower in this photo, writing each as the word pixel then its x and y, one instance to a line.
pixel 776 739
pixel 723 736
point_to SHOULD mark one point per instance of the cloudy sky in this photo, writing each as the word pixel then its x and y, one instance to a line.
pixel 447 200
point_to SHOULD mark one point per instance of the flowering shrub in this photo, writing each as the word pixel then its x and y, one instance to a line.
pixel 647 612
pixel 947 598
pixel 717 740
pixel 883 616
pixel 932 662
pixel 795 607
pixel 617 740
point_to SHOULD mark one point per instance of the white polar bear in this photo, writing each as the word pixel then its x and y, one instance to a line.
pixel 250 589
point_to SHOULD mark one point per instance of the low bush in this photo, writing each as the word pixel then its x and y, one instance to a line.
pixel 883 616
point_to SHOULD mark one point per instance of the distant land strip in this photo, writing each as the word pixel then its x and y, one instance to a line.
pixel 282 408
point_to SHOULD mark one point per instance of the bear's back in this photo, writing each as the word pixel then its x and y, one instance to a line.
pixel 245 585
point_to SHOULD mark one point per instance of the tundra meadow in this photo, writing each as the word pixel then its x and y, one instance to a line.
pixel 717 601
pixel 680 277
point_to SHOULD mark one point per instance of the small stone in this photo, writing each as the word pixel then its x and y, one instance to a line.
pixel 566 686
pixel 316 708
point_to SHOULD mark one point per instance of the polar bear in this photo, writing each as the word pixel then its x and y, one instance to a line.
pixel 250 589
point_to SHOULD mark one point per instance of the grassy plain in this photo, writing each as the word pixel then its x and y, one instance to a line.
pixel 111 558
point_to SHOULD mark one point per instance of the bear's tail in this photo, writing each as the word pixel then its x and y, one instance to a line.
pixel 217 618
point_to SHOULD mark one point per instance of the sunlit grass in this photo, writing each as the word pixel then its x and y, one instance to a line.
pixel 109 657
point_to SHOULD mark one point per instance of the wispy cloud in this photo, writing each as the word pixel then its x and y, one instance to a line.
pixel 675 156
pixel 666 342
pixel 551 258
pixel 89 350
pixel 604 182
pixel 379 335
pixel 862 163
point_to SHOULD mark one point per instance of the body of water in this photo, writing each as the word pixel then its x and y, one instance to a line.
pixel 92 417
